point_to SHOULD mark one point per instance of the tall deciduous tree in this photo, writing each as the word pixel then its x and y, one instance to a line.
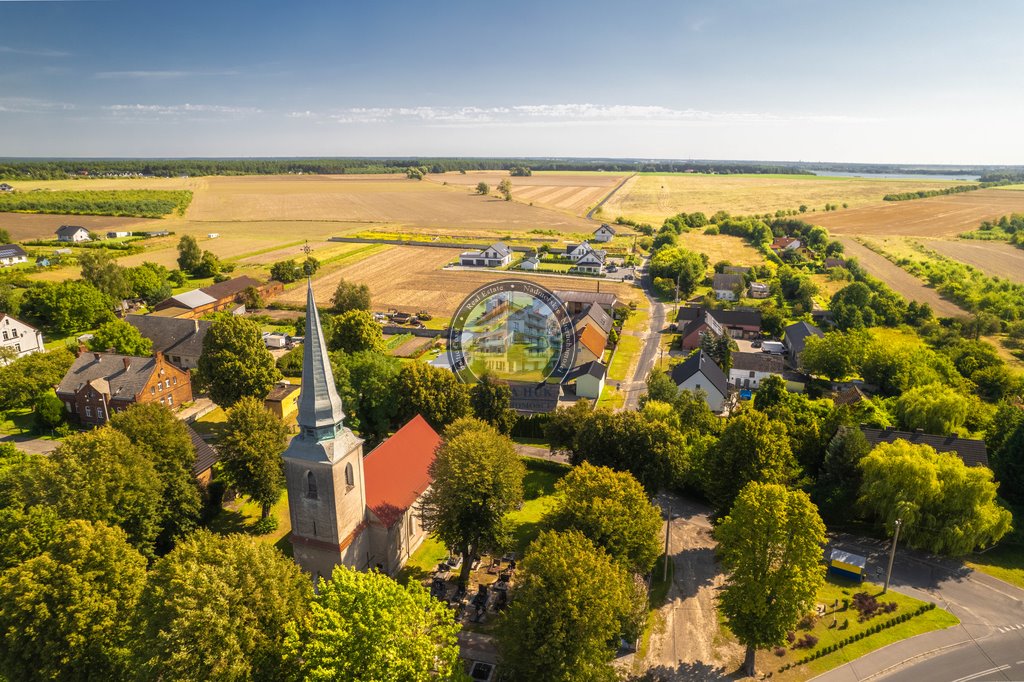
pixel 505 189
pixel 235 362
pixel 432 392
pixel 612 510
pixel 350 296
pixel 836 355
pixel 356 330
pixel 752 447
pixel 934 408
pixel 477 480
pixel 189 254
pixel 1008 463
pixel 771 545
pixel 946 506
pixel 100 269
pixel 365 626
pixel 66 307
pixel 253 441
pixel 218 608
pixel 66 613
pixel 839 483
pixel 122 338
pixel 680 265
pixel 491 400
pixel 30 375
pixel 483 188
pixel 366 384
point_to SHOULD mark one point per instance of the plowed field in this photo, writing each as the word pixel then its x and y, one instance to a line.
pixel 574 193
pixel 992 258
pixel 23 226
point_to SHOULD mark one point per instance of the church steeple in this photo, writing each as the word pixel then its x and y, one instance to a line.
pixel 320 411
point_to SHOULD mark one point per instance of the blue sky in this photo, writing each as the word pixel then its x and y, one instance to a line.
pixel 911 82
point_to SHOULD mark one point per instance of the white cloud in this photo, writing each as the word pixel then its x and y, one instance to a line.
pixel 160 75
pixel 30 105
pixel 33 52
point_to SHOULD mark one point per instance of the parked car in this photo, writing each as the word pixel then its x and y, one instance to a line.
pixel 756 343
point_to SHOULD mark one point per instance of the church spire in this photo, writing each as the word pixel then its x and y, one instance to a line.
pixel 320 411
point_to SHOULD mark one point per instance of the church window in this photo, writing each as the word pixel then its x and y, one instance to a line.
pixel 88 411
pixel 349 478
pixel 311 491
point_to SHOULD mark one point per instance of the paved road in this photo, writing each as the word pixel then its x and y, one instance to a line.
pixel 36 446
pixel 997 657
pixel 652 340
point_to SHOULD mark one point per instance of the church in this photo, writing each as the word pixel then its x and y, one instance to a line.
pixel 346 508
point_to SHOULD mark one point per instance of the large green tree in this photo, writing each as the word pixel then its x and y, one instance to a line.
pixel 934 408
pixel 570 607
pixel 838 485
pixel 235 362
pixel 682 266
pixel 366 382
pixel 355 331
pixel 753 447
pixel 477 480
pixel 491 400
pixel 365 627
pixel 1008 463
pixel 612 510
pixel 837 355
pixel 350 296
pixel 770 544
pixel 218 608
pixel 122 338
pixel 189 253
pixel 435 393
pixel 251 448
pixel 31 375
pixel 945 506
pixel 68 306
pixel 66 613
pixel 100 269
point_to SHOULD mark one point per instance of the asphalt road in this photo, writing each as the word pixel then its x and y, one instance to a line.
pixel 652 339
pixel 997 657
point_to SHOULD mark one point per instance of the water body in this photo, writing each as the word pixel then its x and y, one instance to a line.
pixel 897 176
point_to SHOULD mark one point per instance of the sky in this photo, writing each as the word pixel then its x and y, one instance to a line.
pixel 904 81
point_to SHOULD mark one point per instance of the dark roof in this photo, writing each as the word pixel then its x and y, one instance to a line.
pixel 172 335
pixel 534 397
pixel 758 362
pixel 598 315
pixel 848 396
pixel 796 335
pixel 593 368
pixel 69 230
pixel 11 251
pixel 738 317
pixel 602 298
pixel 701 362
pixel 705 318
pixel 608 227
pixel 231 287
pixel 206 454
pixel 722 281
pixel 972 452
pixel 108 367
pixel 281 391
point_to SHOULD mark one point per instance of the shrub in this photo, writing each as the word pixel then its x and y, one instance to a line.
pixel 780 651
pixel 808 621
pixel 790 636
pixel 265 526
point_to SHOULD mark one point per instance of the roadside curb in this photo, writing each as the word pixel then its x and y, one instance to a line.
pixel 903 662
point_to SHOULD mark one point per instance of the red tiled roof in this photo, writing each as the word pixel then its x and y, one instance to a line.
pixel 396 473
pixel 593 339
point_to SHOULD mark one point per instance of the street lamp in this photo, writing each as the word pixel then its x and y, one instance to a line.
pixel 892 553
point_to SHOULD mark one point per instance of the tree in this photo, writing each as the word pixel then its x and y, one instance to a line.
pixel 49 411
pixel 771 392
pixel 30 375
pixel 189 254
pixel 771 545
pixel 753 447
pixel 350 296
pixel 570 608
pixel 149 282
pixel 166 440
pixel 837 355
pixel 253 441
pixel 477 480
pixel 209 265
pixel 122 337
pixel 5 237
pixel 719 348
pixel 934 408
pixel 565 424
pixel 66 613
pixel 839 483
pixel 356 330
pixel 491 400
pixel 365 626
pixel 1008 463
pixel 310 266
pixel 946 506
pixel 660 387
pixel 25 533
pixel 483 188
pixel 100 269
pixel 432 392
pixel 235 362
pixel 285 271
pixel 68 306
pixel 219 608
pixel 680 265
pixel 612 510
pixel 505 189
pixel 366 384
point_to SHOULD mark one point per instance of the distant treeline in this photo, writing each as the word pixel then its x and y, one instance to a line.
pixel 1008 177
pixel 925 193
pixel 138 203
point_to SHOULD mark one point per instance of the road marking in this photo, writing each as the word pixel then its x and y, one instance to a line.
pixel 983 673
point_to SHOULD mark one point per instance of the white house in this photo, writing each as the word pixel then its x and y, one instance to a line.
pixel 4 187
pixel 73 233
pixel 589 379
pixel 494 256
pixel 531 263
pixel 576 251
pixel 700 373
pixel 605 233
pixel 727 287
pixel 591 263
pixel 23 338
pixel 12 254
pixel 118 234
pixel 750 369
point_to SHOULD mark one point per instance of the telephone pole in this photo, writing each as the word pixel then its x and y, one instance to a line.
pixel 668 530
pixel 892 553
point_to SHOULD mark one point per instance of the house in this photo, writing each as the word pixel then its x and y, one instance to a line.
pixel 531 263
pixel 785 244
pixel 595 314
pixel 972 452
pixel 180 340
pixel 576 251
pixel 206 457
pixel 158 233
pixel 795 338
pixel 704 323
pixel 727 287
pixel 73 233
pixel 283 399
pixel 591 263
pixel 700 373
pixel 589 379
pixel 12 254
pixel 213 235
pixel 605 233
pixel 749 369
pixel 228 295
pixel 590 344
pixel 848 396
pixel 739 323
pixel 4 187
pixel 23 339
pixel 494 256
pixel 101 383
pixel 576 302
pixel 529 397
pixel 346 508
pixel 758 290
pixel 118 234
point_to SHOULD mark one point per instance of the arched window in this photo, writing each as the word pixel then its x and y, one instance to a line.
pixel 350 480
pixel 311 485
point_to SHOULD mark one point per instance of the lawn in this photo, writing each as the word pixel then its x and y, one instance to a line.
pixel 611 398
pixel 241 515
pixel 1005 562
pixel 627 349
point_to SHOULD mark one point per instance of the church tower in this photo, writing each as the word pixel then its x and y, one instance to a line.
pixel 323 468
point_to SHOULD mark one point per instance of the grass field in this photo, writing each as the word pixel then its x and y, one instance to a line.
pixel 1005 562
pixel 719 247
pixel 25 226
pixel 652 198
pixel 573 193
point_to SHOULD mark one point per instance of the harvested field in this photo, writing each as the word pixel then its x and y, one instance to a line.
pixel 652 198
pixel 997 259
pixel 945 216
pixel 575 193
pixel 719 247
pixel 411 278
pixel 24 226
pixel 901 281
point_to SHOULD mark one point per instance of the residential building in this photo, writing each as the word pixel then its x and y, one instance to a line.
pixel 589 379
pixel 750 369
pixel 72 233
pixel 727 287
pixel 206 457
pixel 795 338
pixel 595 314
pixel 179 339
pixel 12 254
pixel 590 344
pixel 736 270
pixel 833 262
pixel 972 452
pixel 605 233
pixel 693 331
pixel 576 251
pixel 346 508
pixel 22 338
pixel 591 263
pixel 758 290
pixel 576 302
pixel 494 256
pixel 700 373
pixel 228 295
pixel 739 323
pixel 531 263
pixel 101 383
pixel 785 244
pixel 118 233
pixel 283 399
pixel 529 397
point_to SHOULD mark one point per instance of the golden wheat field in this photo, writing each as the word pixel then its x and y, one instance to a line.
pixel 574 193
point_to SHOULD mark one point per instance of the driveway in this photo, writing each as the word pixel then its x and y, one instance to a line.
pixel 35 446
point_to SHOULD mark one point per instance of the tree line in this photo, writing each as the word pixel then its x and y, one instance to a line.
pixel 139 203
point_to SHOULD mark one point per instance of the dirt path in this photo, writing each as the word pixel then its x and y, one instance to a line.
pixel 901 281
pixel 591 212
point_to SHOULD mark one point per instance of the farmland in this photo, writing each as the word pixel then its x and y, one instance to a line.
pixel 993 258
pixel 142 203
pixel 722 247
pixel 652 198
pixel 23 226
pixel 573 193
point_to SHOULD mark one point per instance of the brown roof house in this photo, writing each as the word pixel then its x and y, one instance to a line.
pixel 227 295
pixel 179 339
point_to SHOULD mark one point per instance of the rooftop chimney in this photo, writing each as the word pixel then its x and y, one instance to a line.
pixel 127 363
pixel 196 325
pixel 96 357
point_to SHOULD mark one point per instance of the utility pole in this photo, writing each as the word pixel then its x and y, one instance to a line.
pixel 668 529
pixel 892 553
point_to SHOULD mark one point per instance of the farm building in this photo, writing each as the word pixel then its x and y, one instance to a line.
pixel 12 254
pixel 758 290
pixel 700 373
pixel 785 244
pixel 576 302
pixel 228 295
pixel 972 452
pixel 795 338
pixel 750 369
pixel 180 340
pixel 73 233
pixel 605 233
pixel 727 287
pixel 589 379
pixel 23 338
pixel 283 399
pixel 118 234
pixel 739 323
pixel 494 256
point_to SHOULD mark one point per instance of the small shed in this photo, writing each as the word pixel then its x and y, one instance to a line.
pixel 847 565
pixel 283 400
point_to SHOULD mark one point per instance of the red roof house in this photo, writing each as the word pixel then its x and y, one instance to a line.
pixel 397 471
